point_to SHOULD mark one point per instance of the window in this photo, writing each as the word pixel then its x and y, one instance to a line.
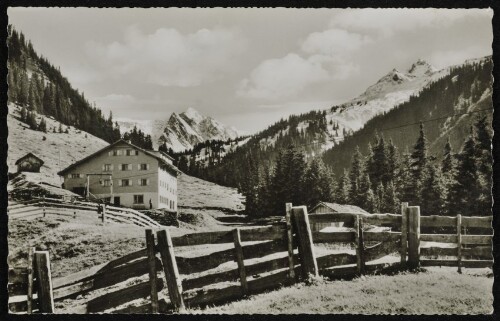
pixel 107 167
pixel 143 182
pixel 76 175
pixel 116 152
pixel 106 182
pixel 132 152
pixel 125 182
pixel 143 167
pixel 125 167
pixel 138 199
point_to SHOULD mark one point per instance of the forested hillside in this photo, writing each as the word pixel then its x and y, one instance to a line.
pixel 447 108
pixel 39 87
pixel 443 165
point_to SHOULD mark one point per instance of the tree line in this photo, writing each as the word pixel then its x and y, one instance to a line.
pixel 448 185
pixel 39 87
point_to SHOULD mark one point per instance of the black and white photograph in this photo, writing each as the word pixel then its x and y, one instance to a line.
pixel 249 160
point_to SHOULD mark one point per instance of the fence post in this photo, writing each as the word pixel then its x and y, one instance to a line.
pixel 358 238
pixel 459 243
pixel 306 245
pixel 45 295
pixel 104 214
pixel 414 237
pixel 150 245
pixel 289 233
pixel 43 205
pixel 74 214
pixel 404 232
pixel 31 264
pixel 174 284
pixel 238 255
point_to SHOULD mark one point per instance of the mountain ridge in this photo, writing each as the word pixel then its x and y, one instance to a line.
pixel 182 131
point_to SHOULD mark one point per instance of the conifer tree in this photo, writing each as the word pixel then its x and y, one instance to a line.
pixel 366 197
pixel 447 163
pixel 390 202
pixel 465 192
pixel 33 95
pixel 419 155
pixel 23 93
pixel 431 192
pixel 23 114
pixel 342 191
pixel 317 183
pixel 357 168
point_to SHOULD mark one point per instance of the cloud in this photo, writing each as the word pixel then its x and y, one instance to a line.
pixel 325 57
pixel 282 77
pixel 170 58
pixel 442 59
pixel 390 21
pixel 334 42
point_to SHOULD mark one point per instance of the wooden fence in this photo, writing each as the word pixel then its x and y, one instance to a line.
pixel 41 207
pixel 245 261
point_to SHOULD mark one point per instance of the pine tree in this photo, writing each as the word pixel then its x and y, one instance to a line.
pixel 342 191
pixel 357 168
pixel 464 194
pixel 419 155
pixel 366 197
pixel 23 93
pixel 24 114
pixel 33 95
pixel 432 192
pixel 317 183
pixel 42 126
pixel 447 163
pixel 379 197
pixel 484 164
pixel 12 81
pixel 419 160
pixel 390 200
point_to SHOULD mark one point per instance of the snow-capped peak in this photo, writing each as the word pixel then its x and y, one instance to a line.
pixel 421 68
pixel 194 115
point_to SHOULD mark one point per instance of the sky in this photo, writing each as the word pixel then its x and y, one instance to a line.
pixel 247 68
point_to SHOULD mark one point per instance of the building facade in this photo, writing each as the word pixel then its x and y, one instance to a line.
pixel 126 175
pixel 29 163
pixel 325 207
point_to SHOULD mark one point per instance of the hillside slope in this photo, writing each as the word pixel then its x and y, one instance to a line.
pixel 57 150
pixel 447 108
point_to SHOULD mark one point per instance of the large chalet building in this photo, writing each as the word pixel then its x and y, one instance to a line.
pixel 125 175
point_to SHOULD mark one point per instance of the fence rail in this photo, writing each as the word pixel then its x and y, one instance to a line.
pixel 51 206
pixel 263 258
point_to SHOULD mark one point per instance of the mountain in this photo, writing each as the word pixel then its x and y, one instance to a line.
pixel 185 130
pixel 447 108
pixel 182 131
pixel 398 98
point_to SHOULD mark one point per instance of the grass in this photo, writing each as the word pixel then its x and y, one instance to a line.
pixel 433 291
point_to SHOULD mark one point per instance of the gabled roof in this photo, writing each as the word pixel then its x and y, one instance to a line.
pixel 153 154
pixel 29 155
pixel 340 208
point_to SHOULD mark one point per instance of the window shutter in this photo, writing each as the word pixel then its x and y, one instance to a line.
pixel 129 166
pixel 147 167
pixel 110 153
pixel 138 167
pixel 139 181
pixel 130 182
pixel 112 166
pixel 103 167
pixel 147 181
